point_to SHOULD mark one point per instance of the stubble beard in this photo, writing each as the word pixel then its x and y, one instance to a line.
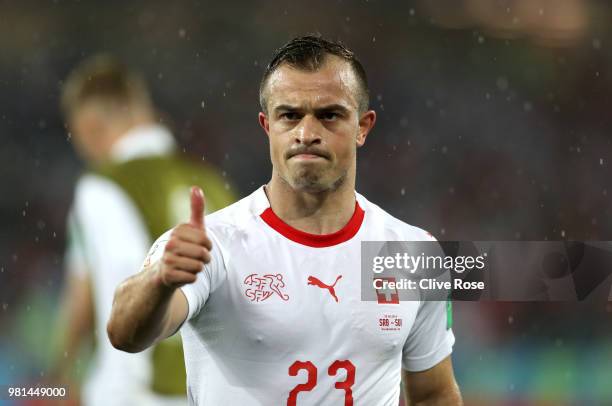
pixel 314 181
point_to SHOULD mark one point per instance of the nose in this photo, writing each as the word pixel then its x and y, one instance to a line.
pixel 308 131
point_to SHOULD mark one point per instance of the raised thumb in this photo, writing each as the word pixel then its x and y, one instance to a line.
pixel 197 207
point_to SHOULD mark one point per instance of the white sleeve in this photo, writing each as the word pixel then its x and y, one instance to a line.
pixel 206 281
pixel 431 338
pixel 75 257
pixel 113 237
pixel 157 249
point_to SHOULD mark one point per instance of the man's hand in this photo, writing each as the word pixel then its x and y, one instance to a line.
pixel 148 307
pixel 188 248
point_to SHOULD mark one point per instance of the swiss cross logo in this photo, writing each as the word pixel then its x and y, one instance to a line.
pixel 387 296
pixel 262 287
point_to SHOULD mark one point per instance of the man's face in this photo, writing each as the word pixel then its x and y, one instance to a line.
pixel 314 124
pixel 88 133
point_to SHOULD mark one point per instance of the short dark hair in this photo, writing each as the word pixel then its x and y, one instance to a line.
pixel 309 53
pixel 103 78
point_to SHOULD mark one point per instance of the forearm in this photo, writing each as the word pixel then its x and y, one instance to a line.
pixel 71 342
pixel 432 387
pixel 140 312
pixel 74 325
pixel 448 397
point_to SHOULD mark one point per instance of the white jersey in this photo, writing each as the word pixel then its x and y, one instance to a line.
pixel 108 240
pixel 276 318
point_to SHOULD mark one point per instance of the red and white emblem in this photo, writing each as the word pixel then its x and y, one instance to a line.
pixel 330 288
pixel 387 296
pixel 262 287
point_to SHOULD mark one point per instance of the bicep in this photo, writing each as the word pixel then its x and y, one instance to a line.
pixel 433 384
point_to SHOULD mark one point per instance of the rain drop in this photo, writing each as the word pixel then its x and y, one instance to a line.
pixel 502 83
pixel 596 43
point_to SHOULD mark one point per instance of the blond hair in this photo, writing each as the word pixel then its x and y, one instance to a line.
pixel 103 79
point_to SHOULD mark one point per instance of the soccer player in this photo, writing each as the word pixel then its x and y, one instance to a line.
pixel 136 188
pixel 266 292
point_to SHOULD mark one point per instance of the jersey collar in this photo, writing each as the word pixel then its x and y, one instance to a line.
pixel 143 141
pixel 312 240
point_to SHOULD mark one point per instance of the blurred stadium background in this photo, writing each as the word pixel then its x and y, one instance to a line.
pixel 494 124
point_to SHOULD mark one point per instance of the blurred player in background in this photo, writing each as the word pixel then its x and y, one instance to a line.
pixel 136 187
pixel 268 290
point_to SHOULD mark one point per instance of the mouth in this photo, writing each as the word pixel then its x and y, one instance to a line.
pixel 307 157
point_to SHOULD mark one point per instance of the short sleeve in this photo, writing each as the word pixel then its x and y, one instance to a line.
pixel 157 249
pixel 431 338
pixel 206 282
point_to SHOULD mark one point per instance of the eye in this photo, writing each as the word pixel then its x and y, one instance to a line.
pixel 290 116
pixel 329 116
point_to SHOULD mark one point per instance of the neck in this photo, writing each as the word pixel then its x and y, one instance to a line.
pixel 120 128
pixel 136 118
pixel 312 212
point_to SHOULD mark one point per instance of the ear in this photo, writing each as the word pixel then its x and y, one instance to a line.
pixel 366 123
pixel 264 123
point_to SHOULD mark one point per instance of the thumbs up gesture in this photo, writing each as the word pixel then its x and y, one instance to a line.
pixel 188 248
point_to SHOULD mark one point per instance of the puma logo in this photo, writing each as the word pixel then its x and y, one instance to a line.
pixel 316 282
